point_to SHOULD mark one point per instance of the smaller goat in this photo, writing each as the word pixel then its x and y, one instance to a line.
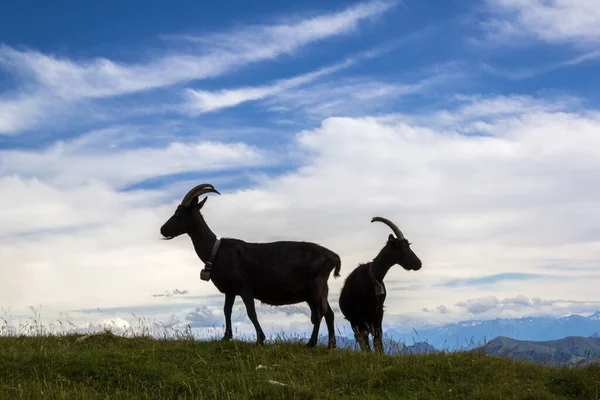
pixel 363 294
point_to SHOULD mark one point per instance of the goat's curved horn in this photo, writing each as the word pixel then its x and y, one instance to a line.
pixel 389 223
pixel 198 190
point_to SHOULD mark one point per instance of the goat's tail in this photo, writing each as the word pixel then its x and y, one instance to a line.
pixel 338 266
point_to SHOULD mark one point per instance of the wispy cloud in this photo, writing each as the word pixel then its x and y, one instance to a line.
pixel 573 22
pixel 171 293
pixel 353 96
pixel 524 73
pixel 202 101
pixel 97 156
pixel 66 81
pixel 290 33
pixel 524 305
pixel 478 114
pixel 493 279
pixel 102 77
pixel 279 95
pixel 572 264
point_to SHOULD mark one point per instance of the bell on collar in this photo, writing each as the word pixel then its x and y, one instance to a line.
pixel 205 274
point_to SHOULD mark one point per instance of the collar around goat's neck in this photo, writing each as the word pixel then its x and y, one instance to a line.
pixel 205 273
pixel 213 254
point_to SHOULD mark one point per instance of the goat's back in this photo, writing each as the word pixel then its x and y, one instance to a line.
pixel 283 272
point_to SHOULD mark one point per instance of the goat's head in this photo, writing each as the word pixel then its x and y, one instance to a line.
pixel 398 248
pixel 183 219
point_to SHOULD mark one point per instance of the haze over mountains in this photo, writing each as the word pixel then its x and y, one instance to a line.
pixel 474 333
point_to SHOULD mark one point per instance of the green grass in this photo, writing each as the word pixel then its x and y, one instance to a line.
pixel 109 366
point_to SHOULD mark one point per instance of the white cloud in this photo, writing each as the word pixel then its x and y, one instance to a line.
pixel 484 304
pixel 472 205
pixel 78 246
pixel 20 111
pixel 515 200
pixel 483 115
pixel 574 22
pixel 31 206
pixel 520 306
pixel 96 156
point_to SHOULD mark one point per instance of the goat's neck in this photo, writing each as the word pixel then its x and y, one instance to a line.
pixel 381 265
pixel 202 238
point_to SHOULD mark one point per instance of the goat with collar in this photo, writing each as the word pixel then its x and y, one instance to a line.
pixel 276 273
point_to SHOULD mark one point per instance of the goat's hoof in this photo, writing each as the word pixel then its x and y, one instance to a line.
pixel 311 344
pixel 226 338
pixel 332 346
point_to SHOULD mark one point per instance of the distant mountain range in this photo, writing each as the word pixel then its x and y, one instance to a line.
pixel 569 351
pixel 475 333
pixel 566 341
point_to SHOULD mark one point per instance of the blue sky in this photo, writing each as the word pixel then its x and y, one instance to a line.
pixel 474 125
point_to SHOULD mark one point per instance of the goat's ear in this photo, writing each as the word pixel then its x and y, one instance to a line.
pixel 201 204
pixel 194 202
pixel 391 238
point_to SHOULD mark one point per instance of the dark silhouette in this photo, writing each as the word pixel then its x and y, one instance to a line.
pixel 275 273
pixel 363 293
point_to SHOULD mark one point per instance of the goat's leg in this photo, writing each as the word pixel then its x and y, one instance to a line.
pixel 229 300
pixel 328 313
pixel 318 307
pixel 362 337
pixel 330 327
pixel 365 335
pixel 378 332
pixel 248 299
pixel 315 318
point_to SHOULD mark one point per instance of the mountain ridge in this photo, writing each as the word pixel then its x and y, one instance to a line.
pixel 568 351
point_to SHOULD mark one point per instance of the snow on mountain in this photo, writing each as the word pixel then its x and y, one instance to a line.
pixel 595 316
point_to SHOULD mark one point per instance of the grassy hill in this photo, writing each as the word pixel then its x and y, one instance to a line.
pixel 110 366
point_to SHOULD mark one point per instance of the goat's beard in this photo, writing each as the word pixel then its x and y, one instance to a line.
pixel 167 237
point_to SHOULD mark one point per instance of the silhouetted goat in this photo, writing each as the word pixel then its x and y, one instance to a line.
pixel 363 294
pixel 275 273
